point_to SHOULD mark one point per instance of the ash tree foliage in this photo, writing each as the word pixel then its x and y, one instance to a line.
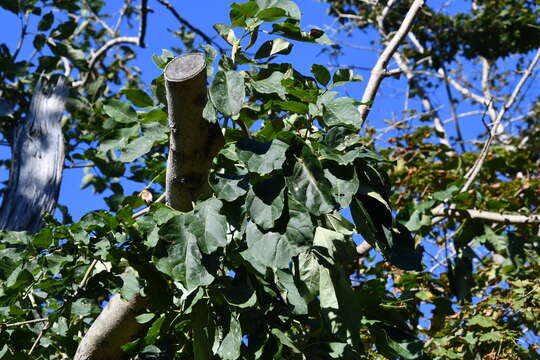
pixel 265 265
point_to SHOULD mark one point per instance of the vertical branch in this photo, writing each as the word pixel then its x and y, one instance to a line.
pixel 379 70
pixel 194 141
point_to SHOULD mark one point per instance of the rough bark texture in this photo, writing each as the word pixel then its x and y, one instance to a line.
pixel 193 144
pixel 37 162
pixel 194 141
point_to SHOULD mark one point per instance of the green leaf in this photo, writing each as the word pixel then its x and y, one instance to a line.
pixel 229 187
pixel 271 14
pixel 227 92
pixel 321 74
pixel 182 260
pixel 308 275
pixel 239 13
pixel 230 346
pixel 136 148
pixel 289 292
pixel 265 202
pixel 482 321
pixel 119 111
pixel 291 30
pixel 273 47
pixel 144 318
pixel 341 112
pixel 138 97
pixel 268 250
pixel 393 342
pixel 211 233
pixel 130 287
pixel 288 6
pixel 261 157
pixel 343 76
pixel 46 22
pixel 308 185
pixel 271 85
pixel 203 331
pixel 344 184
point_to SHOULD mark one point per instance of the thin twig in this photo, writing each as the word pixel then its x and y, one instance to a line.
pixel 23 323
pixel 183 21
pixel 483 154
pixel 98 19
pixel 144 211
pixel 121 16
pixel 377 73
pixel 453 111
pixel 116 41
pixel 34 345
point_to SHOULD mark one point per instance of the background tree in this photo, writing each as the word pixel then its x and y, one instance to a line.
pixel 261 267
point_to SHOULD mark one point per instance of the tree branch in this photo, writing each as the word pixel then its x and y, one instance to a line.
pixel 475 169
pixel 183 21
pixel 487 216
pixel 139 40
pixel 377 73
pixel 193 144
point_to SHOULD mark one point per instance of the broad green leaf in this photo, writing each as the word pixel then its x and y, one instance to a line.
pixel 308 274
pixel 230 346
pixel 268 250
pixel 341 112
pixel 227 92
pixel 289 292
pixel 344 184
pixel 393 342
pixel 271 85
pixel 340 224
pixel 240 295
pixel 271 14
pixel 291 30
pixel 119 111
pixel 211 233
pixel 138 97
pixel 482 321
pixel 308 185
pixel 364 223
pixel 229 187
pixel 130 287
pixel 265 202
pixel 321 74
pixel 136 148
pixel 288 6
pixel 239 13
pixel 182 259
pixel 259 157
pixel 273 47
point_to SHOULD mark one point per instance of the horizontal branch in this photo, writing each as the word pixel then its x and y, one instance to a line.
pixel 488 216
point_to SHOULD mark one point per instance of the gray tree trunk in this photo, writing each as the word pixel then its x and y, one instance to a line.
pixel 193 144
pixel 37 161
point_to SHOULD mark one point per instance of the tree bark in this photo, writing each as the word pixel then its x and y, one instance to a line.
pixel 37 161
pixel 194 143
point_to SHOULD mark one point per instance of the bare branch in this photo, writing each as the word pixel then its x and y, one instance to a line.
pixel 453 111
pixel 96 18
pixel 487 216
pixel 127 3
pixel 117 41
pixel 377 73
pixel 183 21
pixel 475 169
pixel 20 323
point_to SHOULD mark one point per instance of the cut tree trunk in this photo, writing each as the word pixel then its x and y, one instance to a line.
pixel 194 142
pixel 37 161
